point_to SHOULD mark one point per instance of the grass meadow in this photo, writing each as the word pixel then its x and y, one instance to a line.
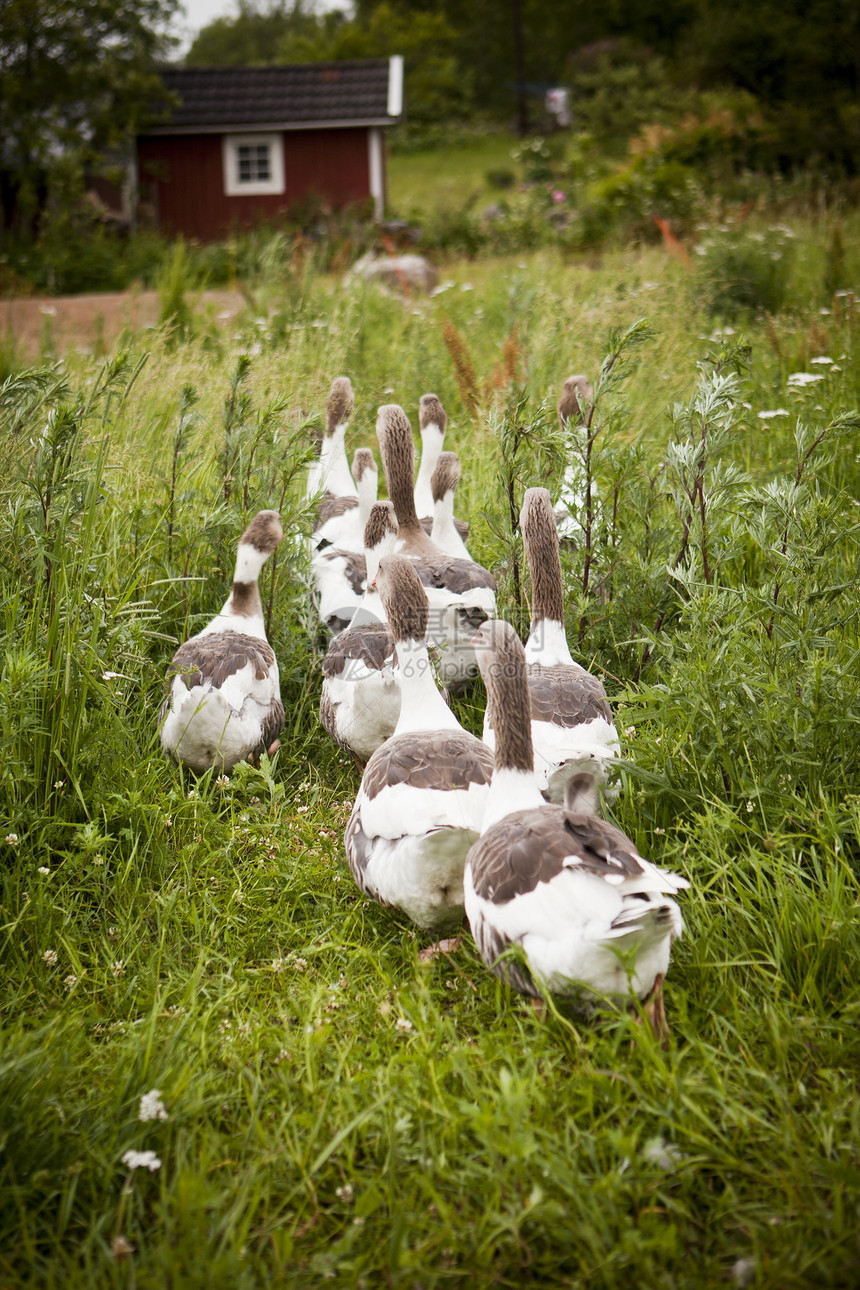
pixel 336 1108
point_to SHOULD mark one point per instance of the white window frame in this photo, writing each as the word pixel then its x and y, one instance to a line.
pixel 233 187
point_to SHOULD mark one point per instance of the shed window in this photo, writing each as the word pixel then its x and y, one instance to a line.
pixel 253 163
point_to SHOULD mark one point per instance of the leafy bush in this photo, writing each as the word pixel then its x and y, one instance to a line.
pixel 740 271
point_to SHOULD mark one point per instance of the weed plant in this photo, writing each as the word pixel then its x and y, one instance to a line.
pixel 329 1106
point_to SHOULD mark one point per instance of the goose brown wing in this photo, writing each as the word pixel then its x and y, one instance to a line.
pixel 212 659
pixel 448 762
pixel 332 506
pixel 460 525
pixel 529 847
pixel 566 696
pixel 371 644
pixel 450 574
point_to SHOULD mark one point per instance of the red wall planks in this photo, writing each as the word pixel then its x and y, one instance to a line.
pixel 181 178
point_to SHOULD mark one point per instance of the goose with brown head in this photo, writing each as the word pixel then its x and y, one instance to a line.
pixel 461 593
pixel 423 793
pixel 595 920
pixel 224 702
pixel 572 727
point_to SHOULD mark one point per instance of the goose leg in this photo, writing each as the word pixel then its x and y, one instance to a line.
pixel 655 1011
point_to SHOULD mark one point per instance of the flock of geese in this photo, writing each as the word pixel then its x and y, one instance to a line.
pixel 506 829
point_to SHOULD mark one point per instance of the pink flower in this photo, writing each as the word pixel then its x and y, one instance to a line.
pixel 558 195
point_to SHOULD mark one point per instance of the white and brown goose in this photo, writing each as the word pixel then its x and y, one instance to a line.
pixel 572 728
pixel 424 792
pixel 443 485
pixel 360 699
pixel 577 398
pixel 433 422
pixel 594 919
pixel 330 473
pixel 461 593
pixel 224 699
pixel 339 571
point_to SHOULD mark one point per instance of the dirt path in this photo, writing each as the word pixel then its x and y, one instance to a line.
pixel 54 324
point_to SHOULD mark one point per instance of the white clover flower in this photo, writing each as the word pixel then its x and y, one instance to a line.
pixel 191 794
pixel 277 965
pixel 112 676
pixel 255 801
pixel 113 933
pixel 11 839
pixel 168 821
pixel 403 1023
pixel 750 808
pixel 50 957
pixel 142 1160
pixel 43 868
pixel 238 896
pixel 121 1248
pixel 118 968
pixel 659 830
pixel 345 1193
pixel 300 964
pixel 630 732
pixel 59 783
pixel 151 1106
pixel 70 981
pixel 222 781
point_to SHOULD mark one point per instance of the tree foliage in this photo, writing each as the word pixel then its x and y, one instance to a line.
pixel 77 78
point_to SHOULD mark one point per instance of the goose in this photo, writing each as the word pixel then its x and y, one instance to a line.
pixel 461 593
pixel 577 395
pixel 224 699
pixel 423 793
pixel 330 472
pixel 571 723
pixel 433 422
pixel 594 918
pixel 360 699
pixel 337 564
pixel 446 477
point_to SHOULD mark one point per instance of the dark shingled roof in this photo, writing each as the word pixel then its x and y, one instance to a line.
pixel 304 95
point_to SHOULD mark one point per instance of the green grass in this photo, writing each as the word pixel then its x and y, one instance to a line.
pixel 426 181
pixel 336 1108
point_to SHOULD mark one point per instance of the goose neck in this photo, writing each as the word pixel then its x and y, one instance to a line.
pixel 421 705
pixel 334 473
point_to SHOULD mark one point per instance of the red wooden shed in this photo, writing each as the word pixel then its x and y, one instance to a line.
pixel 245 144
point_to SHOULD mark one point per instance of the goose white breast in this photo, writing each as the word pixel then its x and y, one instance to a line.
pixel 593 918
pixel 423 793
pixel 224 700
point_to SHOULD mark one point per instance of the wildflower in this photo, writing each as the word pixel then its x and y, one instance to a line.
pixel 191 794
pixel 302 810
pixel 804 378
pixel 112 676
pixel 255 801
pixel 142 1160
pixel 558 195
pixel 120 1248
pixel 659 830
pixel 98 861
pixel 59 783
pixel 345 1193
pixel 11 839
pixel 300 964
pixel 750 808
pixel 113 933
pixel 277 965
pixel 118 968
pixel 151 1106
pixel 630 732
pixel 238 896
pixel 70 981
pixel 168 821
pixel 822 359
pixel 222 781
pixel 50 957
pixel 43 869
pixel 403 1023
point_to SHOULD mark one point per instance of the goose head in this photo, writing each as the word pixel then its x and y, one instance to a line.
pixel 380 536
pixel 366 478
pixel 403 598
pixel 339 405
pixel 502 663
pixel 445 478
pixel 577 395
pixel 433 422
pixel 540 538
